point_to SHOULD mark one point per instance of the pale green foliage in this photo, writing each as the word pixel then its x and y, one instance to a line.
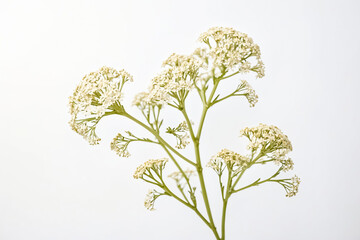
pixel 224 53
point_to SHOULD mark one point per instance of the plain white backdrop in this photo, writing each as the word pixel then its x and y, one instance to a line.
pixel 53 185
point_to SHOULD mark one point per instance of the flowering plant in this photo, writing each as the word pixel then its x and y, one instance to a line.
pixel 224 53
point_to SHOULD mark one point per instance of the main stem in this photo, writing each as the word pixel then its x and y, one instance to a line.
pixel 203 189
pixel 196 141
pixel 199 170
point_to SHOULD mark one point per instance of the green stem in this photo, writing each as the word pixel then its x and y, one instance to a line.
pixel 223 219
pixel 233 74
pixel 257 182
pixel 238 178
pixel 260 155
pixel 225 202
pixel 168 191
pixel 196 141
pixel 206 200
pixel 179 167
pixel 182 193
pixel 199 169
pixel 206 106
pixel 161 140
pixel 188 122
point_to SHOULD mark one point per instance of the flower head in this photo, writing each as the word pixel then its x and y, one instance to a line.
pixel 293 189
pixel 246 90
pixel 150 198
pixel 268 137
pixel 179 74
pixel 280 158
pixel 142 100
pixel 119 145
pixel 231 49
pixel 153 164
pixel 85 128
pixel 234 161
pixel 98 92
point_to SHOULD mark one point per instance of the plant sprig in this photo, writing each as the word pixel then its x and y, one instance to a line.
pixel 225 53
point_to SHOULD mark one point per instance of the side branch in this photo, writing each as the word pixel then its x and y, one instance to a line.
pixel 160 139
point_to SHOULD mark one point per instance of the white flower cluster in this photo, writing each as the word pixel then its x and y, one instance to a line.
pixel 85 129
pixel 150 198
pixel 228 158
pixel 179 74
pixel 178 176
pixel 142 100
pixel 230 49
pixel 246 89
pixel 294 188
pixel 268 137
pixel 93 97
pixel 280 157
pixel 245 67
pixel 119 146
pixel 153 164
pixel 225 50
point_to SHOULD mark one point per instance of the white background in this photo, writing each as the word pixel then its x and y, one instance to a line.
pixel 53 185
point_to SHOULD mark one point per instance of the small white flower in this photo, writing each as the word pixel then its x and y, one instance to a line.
pixel 93 97
pixel 119 146
pixel 179 74
pixel 246 89
pixel 294 187
pixel 152 164
pixel 267 136
pixel 229 48
pixel 225 157
pixel 150 199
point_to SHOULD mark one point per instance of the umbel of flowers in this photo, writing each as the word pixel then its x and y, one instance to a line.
pixel 223 53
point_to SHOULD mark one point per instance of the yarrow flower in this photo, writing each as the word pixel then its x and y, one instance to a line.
pixel 293 189
pixel 280 158
pixel 85 128
pixel 120 146
pixel 245 67
pixel 150 198
pixel 98 92
pixel 230 49
pixel 246 90
pixel 268 137
pixel 234 161
pixel 271 143
pixel 142 100
pixel 179 74
pixel 156 165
